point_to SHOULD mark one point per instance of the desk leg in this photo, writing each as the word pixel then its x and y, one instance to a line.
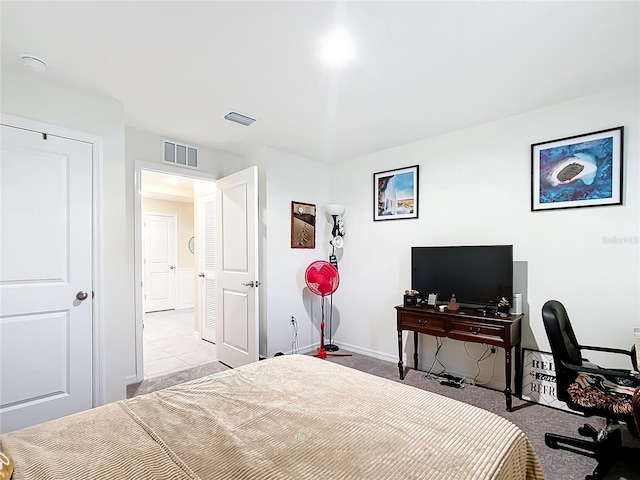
pixel 507 368
pixel 415 350
pixel 400 364
pixel 518 372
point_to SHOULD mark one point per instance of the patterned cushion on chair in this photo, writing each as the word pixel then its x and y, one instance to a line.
pixel 635 406
pixel 598 392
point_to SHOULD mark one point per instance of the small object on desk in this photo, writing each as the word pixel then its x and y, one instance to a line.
pixel 442 307
pixel 432 300
pixel 410 300
pixel 453 306
pixel 503 306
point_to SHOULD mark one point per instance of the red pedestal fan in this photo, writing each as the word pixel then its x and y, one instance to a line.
pixel 323 279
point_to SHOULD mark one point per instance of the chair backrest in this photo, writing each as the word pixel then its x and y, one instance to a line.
pixel 564 345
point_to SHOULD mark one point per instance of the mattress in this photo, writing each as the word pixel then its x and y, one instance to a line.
pixel 289 417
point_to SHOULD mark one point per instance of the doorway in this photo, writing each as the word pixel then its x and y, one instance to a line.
pixel 168 334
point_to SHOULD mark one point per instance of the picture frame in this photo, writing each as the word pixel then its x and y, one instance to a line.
pixel 303 225
pixel 539 380
pixel 578 171
pixel 395 194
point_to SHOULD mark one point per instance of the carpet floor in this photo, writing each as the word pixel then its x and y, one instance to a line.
pixel 533 419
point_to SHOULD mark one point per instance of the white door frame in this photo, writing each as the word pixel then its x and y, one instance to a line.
pixel 140 165
pixel 97 221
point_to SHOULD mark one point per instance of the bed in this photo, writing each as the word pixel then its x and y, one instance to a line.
pixel 288 417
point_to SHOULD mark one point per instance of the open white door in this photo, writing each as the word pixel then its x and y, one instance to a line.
pixel 237 276
pixel 160 244
pixel 206 207
pixel 46 332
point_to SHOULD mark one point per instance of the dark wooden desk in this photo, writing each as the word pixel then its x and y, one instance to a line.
pixel 469 326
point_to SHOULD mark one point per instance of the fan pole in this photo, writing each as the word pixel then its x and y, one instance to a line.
pixel 330 347
pixel 321 352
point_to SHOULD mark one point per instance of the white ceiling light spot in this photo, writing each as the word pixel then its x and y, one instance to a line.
pixel 37 64
pixel 338 48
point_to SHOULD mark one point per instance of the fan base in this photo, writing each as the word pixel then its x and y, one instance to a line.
pixel 330 347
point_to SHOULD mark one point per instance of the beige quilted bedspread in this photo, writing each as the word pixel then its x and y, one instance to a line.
pixel 290 417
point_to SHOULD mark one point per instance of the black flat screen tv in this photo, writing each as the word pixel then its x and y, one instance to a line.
pixel 478 275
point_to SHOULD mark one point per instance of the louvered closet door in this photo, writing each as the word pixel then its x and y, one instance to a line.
pixel 208 263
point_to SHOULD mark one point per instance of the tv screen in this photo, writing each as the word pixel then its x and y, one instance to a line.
pixel 478 275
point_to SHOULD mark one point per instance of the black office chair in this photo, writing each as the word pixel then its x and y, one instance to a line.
pixel 592 390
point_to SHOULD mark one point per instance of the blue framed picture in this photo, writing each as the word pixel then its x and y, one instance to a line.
pixel 395 194
pixel 579 171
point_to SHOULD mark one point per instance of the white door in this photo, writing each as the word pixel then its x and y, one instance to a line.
pixel 46 277
pixel 160 255
pixel 207 261
pixel 237 268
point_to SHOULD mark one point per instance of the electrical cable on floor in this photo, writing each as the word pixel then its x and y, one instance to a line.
pixel 486 354
pixel 493 371
pixel 439 344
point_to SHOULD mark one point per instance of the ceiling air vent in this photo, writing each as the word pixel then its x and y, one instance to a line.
pixel 179 154
pixel 239 118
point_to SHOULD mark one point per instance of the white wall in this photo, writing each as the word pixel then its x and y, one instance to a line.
pixel 36 98
pixel 285 178
pixel 475 189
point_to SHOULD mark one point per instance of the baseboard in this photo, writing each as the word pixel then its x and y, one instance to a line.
pixel 368 352
pixel 131 379
pixel 351 348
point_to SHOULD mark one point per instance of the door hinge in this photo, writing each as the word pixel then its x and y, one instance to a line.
pixel 44 136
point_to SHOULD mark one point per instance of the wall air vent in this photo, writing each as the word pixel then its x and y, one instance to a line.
pixel 239 118
pixel 179 154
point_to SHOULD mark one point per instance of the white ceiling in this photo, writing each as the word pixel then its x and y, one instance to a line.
pixel 422 68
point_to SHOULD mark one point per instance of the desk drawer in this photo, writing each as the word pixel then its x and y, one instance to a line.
pixel 473 330
pixel 423 323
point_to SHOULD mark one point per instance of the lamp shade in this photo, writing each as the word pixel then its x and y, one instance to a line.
pixel 335 209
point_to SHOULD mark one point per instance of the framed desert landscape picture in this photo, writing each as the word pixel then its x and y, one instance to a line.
pixel 303 225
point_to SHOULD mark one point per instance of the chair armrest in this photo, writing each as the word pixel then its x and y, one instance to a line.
pixel 603 371
pixel 628 353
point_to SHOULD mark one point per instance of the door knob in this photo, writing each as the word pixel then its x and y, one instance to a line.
pixel 172 267
pixel 201 275
pixel 82 295
pixel 249 284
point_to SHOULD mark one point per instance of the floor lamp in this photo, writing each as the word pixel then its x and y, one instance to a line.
pixel 337 235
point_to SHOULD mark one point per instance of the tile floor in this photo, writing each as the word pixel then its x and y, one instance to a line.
pixel 170 344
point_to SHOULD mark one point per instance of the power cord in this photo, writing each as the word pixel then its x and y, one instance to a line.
pixel 295 348
pixel 486 354
pixel 439 344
